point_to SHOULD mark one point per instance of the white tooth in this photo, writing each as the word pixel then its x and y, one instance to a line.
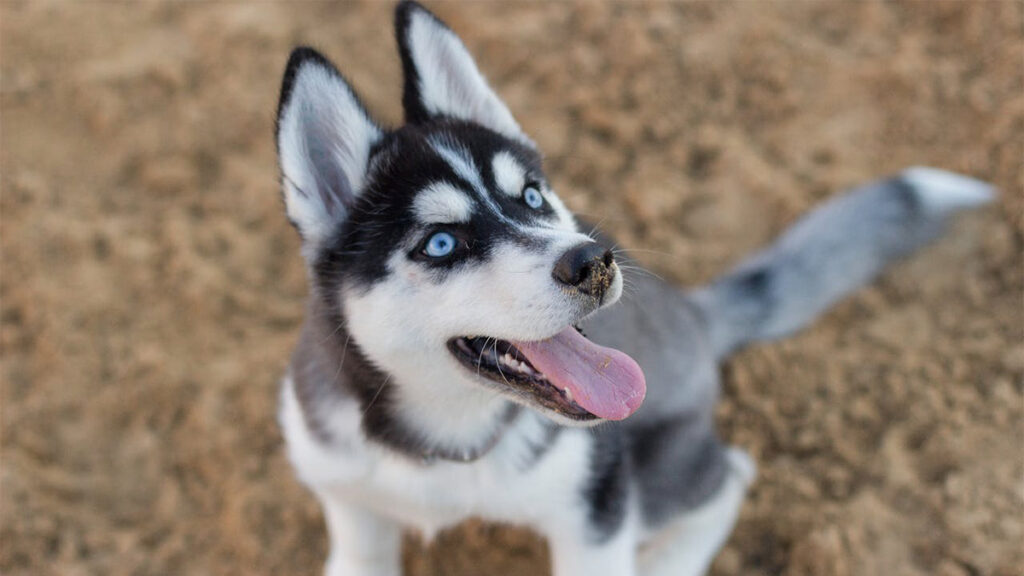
pixel 568 394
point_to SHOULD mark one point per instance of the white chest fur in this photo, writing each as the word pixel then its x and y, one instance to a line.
pixel 508 484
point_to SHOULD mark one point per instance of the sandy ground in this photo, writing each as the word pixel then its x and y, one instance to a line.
pixel 151 287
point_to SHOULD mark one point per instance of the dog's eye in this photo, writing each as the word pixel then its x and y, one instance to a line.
pixel 532 197
pixel 439 245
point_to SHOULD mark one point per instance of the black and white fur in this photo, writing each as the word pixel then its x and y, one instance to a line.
pixel 391 432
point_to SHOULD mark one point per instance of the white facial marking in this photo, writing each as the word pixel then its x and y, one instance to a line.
pixel 459 159
pixel 508 174
pixel 442 203
pixel 462 163
pixel 565 217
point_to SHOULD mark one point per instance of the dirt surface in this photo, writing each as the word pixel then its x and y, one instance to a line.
pixel 151 287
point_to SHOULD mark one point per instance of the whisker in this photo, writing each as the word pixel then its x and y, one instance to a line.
pixel 638 269
pixel 333 333
pixel 499 363
pixel 480 357
pixel 377 394
pixel 593 229
pixel 341 363
pixel 645 250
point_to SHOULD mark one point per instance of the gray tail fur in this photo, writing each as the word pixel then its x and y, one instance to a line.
pixel 831 252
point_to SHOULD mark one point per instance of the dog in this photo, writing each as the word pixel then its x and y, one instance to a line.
pixel 466 350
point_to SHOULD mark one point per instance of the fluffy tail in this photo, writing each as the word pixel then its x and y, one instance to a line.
pixel 831 252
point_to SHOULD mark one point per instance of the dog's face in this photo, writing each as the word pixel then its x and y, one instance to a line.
pixel 441 243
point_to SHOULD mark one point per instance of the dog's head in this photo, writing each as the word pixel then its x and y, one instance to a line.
pixel 455 266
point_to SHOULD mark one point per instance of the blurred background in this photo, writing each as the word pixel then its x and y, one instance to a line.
pixel 151 287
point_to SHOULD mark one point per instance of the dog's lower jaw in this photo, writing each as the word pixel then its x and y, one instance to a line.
pixel 457 419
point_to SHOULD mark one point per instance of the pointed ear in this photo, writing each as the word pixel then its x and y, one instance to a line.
pixel 441 78
pixel 324 137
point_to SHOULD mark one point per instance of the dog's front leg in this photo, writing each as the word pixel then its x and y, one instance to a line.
pixel 574 554
pixel 362 542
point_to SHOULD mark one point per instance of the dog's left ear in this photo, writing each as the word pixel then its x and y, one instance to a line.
pixel 441 78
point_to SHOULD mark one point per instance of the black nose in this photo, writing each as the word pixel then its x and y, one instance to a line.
pixel 586 267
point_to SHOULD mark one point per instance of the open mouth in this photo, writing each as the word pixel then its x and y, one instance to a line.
pixel 566 373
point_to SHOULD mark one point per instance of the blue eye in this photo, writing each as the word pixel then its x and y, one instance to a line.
pixel 440 245
pixel 532 197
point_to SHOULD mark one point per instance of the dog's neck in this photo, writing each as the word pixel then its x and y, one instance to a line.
pixel 401 409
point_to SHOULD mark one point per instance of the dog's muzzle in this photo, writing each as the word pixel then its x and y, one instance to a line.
pixel 587 268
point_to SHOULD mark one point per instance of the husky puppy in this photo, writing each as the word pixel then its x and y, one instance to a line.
pixel 465 351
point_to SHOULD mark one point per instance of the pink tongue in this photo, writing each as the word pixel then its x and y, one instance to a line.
pixel 604 381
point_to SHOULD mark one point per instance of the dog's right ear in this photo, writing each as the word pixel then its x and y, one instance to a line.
pixel 324 138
